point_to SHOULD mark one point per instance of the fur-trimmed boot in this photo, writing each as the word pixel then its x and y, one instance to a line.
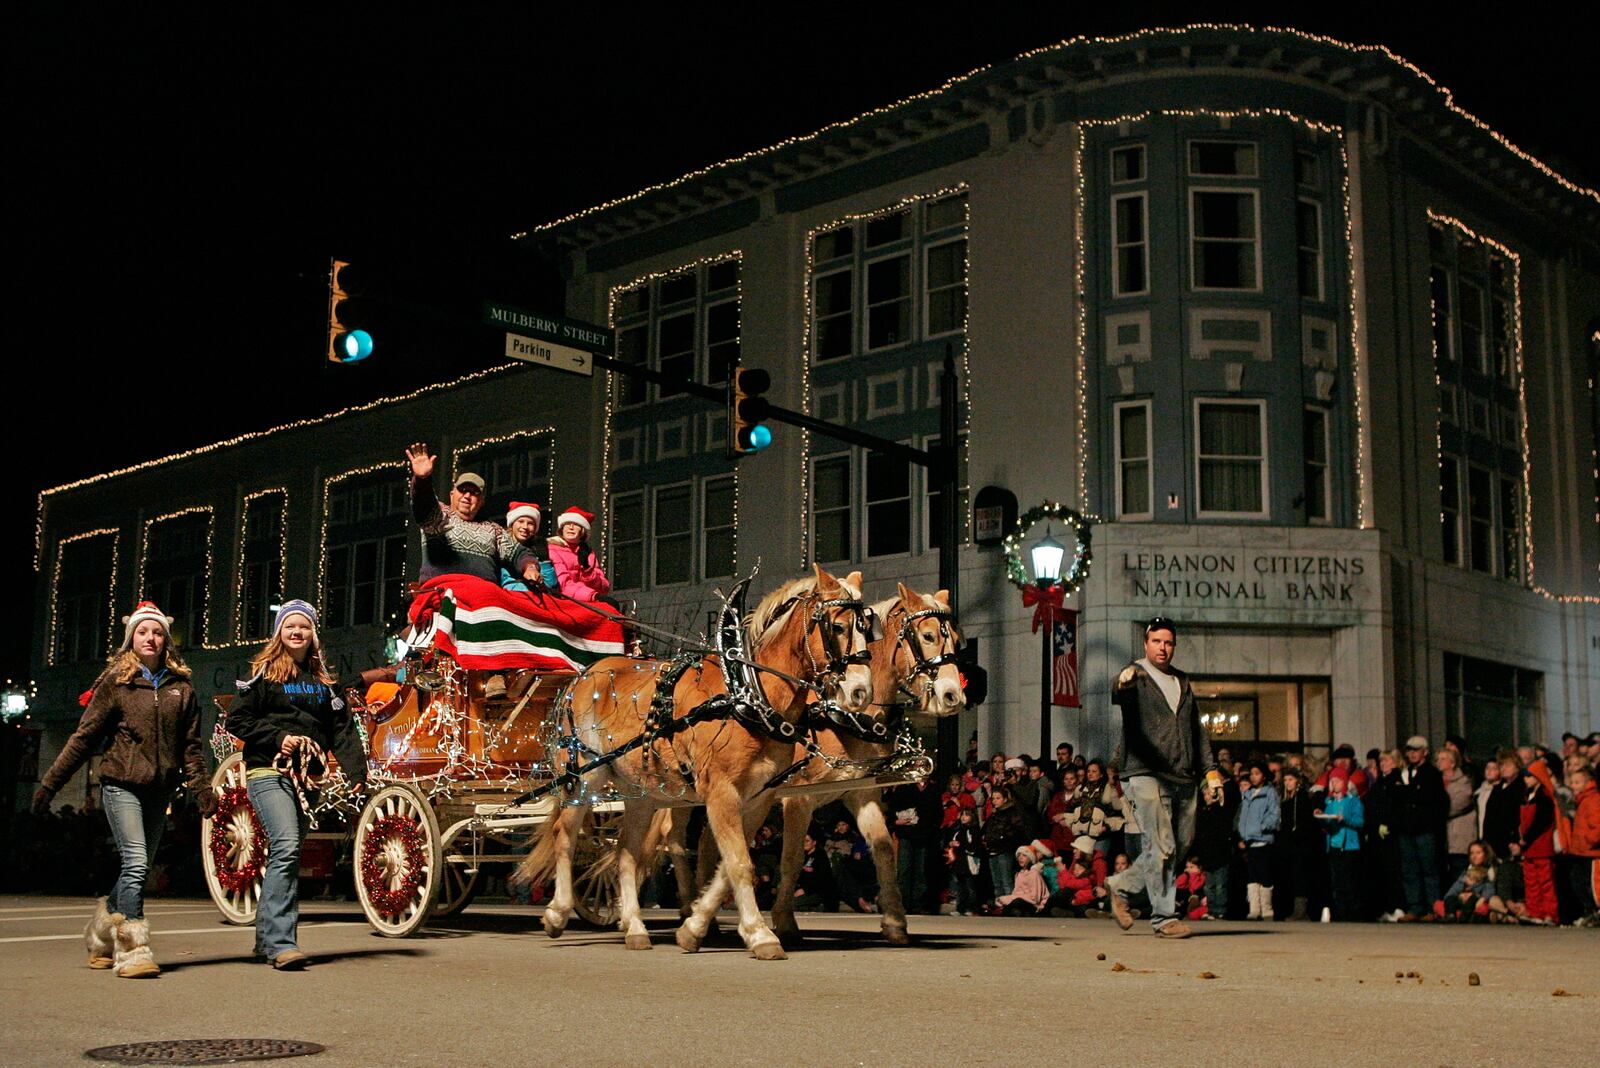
pixel 134 959
pixel 1266 902
pixel 1253 894
pixel 99 937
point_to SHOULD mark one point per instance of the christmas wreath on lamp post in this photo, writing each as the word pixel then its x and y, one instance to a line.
pixel 1048 586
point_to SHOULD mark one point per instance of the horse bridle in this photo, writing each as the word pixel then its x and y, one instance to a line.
pixel 926 667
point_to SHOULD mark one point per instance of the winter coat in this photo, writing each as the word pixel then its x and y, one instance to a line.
pixel 1005 831
pixel 1344 835
pixel 265 712
pixel 1502 813
pixel 1537 825
pixel 1420 803
pixel 816 877
pixel 915 813
pixel 1258 814
pixel 1061 834
pixel 1586 824
pixel 1356 781
pixel 1461 820
pixel 1029 886
pixel 151 734
pixel 1213 828
pixel 1156 740
pixel 578 571
pixel 1095 811
pixel 1299 831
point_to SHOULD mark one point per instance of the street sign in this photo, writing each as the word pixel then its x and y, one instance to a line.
pixel 552 328
pixel 561 357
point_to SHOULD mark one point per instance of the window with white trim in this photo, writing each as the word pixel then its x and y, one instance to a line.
pixel 1308 237
pixel 1318 481
pixel 831 499
pixel 888 505
pixel 945 268
pixel 1127 164
pixel 81 597
pixel 365 551
pixel 684 323
pixel 886 280
pixel 675 351
pixel 261 563
pixel 672 529
pixel 721 341
pixel 1450 508
pixel 933 497
pixel 1224 237
pixel 1480 519
pixel 1474 346
pixel 1222 159
pixel 1231 458
pixel 627 541
pixel 1130 274
pixel 718 537
pixel 175 570
pixel 1135 486
pixel 1444 340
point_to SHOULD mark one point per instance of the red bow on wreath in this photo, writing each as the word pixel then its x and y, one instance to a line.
pixel 1043 602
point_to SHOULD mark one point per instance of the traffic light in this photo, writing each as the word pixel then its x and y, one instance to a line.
pixel 347 342
pixel 748 410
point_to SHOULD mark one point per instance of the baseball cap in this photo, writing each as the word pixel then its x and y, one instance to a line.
pixel 1416 741
pixel 472 477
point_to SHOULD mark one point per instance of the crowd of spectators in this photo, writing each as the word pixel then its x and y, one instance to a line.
pixel 1405 835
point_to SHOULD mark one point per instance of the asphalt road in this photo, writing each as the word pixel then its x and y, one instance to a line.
pixel 488 988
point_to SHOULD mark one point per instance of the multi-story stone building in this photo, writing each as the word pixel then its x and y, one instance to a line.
pixel 1314 346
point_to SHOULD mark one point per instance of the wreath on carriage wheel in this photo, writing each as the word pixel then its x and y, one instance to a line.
pixel 235 879
pixel 374 875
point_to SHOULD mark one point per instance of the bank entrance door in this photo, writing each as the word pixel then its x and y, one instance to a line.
pixel 1270 715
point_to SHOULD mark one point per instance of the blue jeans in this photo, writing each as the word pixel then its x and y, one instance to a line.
pixel 1003 872
pixel 1419 872
pixel 1166 821
pixel 278 913
pixel 137 815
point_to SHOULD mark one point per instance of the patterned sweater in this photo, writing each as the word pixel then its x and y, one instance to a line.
pixel 455 546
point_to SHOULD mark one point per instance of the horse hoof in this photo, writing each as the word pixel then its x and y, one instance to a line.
pixel 768 951
pixel 552 927
pixel 896 936
pixel 687 941
pixel 638 941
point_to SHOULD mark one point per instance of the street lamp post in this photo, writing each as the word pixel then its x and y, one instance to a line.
pixel 1046 554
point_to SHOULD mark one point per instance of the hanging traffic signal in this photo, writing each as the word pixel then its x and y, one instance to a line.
pixel 347 342
pixel 748 410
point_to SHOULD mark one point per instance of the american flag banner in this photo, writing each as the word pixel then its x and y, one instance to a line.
pixel 1064 657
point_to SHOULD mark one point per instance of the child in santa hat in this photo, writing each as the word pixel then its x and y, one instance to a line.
pixel 577 568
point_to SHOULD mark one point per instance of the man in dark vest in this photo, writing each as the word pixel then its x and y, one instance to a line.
pixel 1164 756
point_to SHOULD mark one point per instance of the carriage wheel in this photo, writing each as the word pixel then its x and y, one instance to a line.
pixel 233 846
pixel 594 870
pixel 399 865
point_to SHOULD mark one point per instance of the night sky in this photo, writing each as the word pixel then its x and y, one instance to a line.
pixel 179 184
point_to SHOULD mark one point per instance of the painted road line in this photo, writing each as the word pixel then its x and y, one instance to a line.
pixel 220 928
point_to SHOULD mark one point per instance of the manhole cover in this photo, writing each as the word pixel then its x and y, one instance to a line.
pixel 204 1051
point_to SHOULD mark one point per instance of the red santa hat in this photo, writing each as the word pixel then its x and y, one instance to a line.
pixel 523 508
pixel 1041 848
pixel 144 610
pixel 576 515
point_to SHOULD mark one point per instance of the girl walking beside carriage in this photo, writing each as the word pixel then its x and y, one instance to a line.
pixel 143 710
pixel 290 718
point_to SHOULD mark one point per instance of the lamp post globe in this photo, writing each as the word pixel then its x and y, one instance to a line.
pixel 1047 555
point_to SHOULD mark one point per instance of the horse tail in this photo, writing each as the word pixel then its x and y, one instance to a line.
pixel 539 866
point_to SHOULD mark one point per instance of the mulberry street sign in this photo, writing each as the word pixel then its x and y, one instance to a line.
pixel 585 337
pixel 561 357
